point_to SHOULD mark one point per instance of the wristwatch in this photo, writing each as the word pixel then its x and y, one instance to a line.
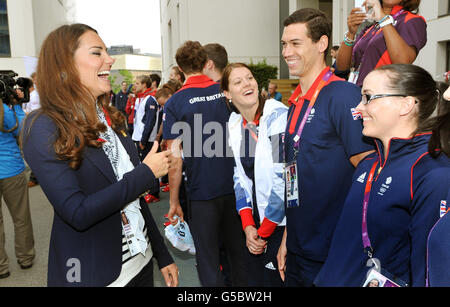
pixel 387 20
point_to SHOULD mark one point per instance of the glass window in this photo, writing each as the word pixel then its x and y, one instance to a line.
pixel 5 50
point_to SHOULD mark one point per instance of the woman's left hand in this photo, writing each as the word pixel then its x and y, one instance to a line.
pixel 170 274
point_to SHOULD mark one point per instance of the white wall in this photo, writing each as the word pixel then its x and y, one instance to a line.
pixel 433 56
pixel 48 15
pixel 249 29
pixel 30 21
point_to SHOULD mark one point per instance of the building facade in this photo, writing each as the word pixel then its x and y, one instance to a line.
pixel 136 64
pixel 251 30
pixel 24 24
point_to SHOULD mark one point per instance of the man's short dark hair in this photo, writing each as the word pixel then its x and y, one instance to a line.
pixel 155 78
pixel 316 22
pixel 218 54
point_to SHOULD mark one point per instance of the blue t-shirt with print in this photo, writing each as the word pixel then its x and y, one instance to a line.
pixel 198 114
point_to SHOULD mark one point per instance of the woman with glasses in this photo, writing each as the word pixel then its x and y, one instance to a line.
pixel 396 195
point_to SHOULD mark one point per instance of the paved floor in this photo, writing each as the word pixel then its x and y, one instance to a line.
pixel 42 216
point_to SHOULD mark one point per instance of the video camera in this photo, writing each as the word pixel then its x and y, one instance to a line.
pixel 8 85
pixel 8 95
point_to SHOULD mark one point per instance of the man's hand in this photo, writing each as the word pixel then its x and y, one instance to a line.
pixel 281 257
pixel 175 209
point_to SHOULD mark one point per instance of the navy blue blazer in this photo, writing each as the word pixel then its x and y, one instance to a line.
pixel 87 231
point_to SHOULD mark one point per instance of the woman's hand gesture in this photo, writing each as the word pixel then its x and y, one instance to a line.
pixel 159 163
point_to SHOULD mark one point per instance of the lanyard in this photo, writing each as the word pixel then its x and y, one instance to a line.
pixel 365 234
pixel 298 108
pixel 252 126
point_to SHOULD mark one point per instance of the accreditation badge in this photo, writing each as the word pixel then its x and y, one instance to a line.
pixel 382 279
pixel 132 241
pixel 353 77
pixel 291 179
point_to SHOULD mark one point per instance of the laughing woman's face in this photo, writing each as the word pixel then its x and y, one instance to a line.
pixel 93 64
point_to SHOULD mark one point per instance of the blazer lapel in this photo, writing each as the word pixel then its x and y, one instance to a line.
pixel 98 157
pixel 130 147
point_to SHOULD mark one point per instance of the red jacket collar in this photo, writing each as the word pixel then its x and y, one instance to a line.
pixel 201 81
pixel 396 9
pixel 255 121
pixel 144 94
pixel 298 91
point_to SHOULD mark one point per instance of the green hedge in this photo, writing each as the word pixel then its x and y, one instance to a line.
pixel 263 73
pixel 127 77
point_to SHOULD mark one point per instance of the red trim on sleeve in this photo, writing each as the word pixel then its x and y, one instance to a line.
pixel 247 218
pixel 267 228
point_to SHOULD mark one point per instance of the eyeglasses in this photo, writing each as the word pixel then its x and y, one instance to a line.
pixel 367 98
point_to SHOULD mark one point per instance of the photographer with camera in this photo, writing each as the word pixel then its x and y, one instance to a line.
pixel 13 181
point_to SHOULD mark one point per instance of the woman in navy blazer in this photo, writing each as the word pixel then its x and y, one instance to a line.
pixel 70 144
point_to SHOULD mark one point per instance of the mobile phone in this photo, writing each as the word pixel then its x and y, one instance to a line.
pixel 359 3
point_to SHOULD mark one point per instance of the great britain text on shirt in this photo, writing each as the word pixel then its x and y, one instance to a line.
pixel 206 98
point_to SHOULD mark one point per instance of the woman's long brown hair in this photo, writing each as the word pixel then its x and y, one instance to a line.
pixel 66 101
